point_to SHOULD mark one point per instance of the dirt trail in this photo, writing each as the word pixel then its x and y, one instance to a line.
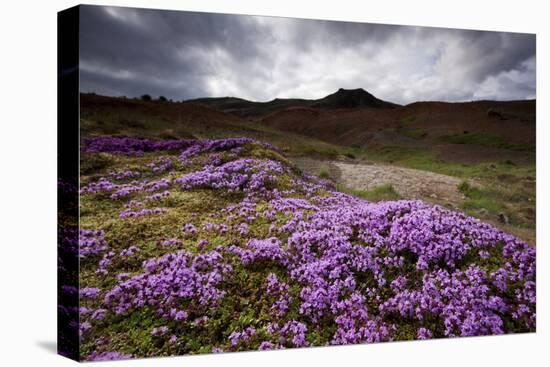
pixel 409 183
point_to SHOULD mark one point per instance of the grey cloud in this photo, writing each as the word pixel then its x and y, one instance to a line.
pixel 184 55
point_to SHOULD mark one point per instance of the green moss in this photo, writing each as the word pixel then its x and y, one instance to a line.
pixel 486 140
pixel 417 134
pixel 91 163
pixel 406 121
pixel 324 171
pixel 380 193
pixel 405 128
pixel 464 187
pixel 483 199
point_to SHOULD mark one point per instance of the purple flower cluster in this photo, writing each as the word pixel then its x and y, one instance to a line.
pixel 423 334
pixel 161 165
pixel 121 191
pixel 130 207
pixel 262 250
pixel 129 213
pixel 170 242
pixel 203 146
pixel 90 293
pixel 91 242
pixel 157 196
pixel 123 175
pixel 292 333
pixel 130 251
pixel 190 229
pixel 130 145
pixel 167 281
pixel 105 262
pixel 330 251
pixel 246 175
pixel 462 300
pixel 107 356
pixel 279 290
pixel 236 337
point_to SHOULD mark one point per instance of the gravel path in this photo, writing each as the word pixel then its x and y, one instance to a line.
pixel 409 183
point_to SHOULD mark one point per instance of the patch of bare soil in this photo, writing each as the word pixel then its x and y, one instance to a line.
pixel 409 183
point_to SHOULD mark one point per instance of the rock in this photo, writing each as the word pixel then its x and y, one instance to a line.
pixel 503 218
pixel 483 212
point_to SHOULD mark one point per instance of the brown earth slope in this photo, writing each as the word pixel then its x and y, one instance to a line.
pixel 483 130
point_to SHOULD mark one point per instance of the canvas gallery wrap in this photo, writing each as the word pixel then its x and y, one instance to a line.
pixel 234 183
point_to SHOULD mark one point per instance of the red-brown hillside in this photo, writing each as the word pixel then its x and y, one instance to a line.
pixel 483 129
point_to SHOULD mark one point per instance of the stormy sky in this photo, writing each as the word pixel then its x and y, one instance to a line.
pixel 184 55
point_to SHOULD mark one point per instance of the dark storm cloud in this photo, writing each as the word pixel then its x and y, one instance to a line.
pixel 142 50
pixel 184 55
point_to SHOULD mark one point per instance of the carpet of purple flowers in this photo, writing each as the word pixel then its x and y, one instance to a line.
pixel 222 245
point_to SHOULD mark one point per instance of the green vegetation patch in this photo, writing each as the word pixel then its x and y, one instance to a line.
pixel 405 128
pixel 324 171
pixel 486 140
pixel 381 193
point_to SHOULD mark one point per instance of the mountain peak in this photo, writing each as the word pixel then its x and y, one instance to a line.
pixel 352 90
pixel 352 98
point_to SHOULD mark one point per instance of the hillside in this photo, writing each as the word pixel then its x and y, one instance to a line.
pixel 244 108
pixel 495 154
pixel 343 98
pixel 101 115
pixel 456 130
pixel 468 132
pixel 199 246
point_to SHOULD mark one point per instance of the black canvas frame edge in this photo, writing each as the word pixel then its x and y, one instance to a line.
pixel 68 124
